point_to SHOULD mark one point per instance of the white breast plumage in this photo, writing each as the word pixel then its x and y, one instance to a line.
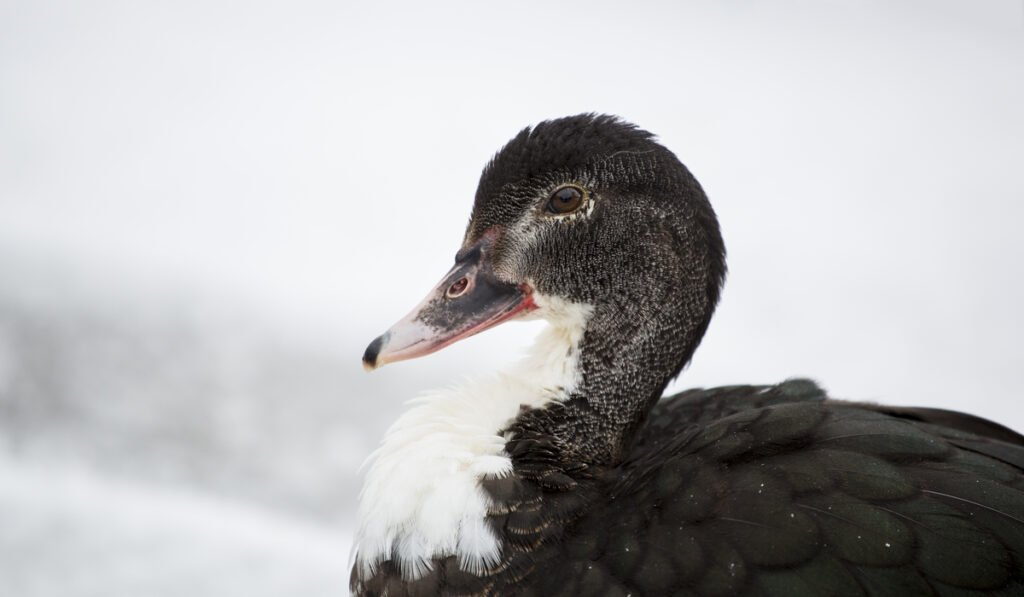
pixel 422 497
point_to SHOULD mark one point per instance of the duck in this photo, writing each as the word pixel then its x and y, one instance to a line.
pixel 570 474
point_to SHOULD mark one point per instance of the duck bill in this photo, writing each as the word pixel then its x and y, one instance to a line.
pixel 468 300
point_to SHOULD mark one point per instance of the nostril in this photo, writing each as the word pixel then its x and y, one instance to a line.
pixel 458 288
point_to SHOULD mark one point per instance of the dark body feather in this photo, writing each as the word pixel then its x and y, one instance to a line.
pixel 761 490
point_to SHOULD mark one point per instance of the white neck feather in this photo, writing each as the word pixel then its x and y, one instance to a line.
pixel 422 497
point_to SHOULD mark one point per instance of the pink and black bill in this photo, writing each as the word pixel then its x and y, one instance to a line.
pixel 469 299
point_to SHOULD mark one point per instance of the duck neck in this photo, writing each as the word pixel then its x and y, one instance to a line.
pixel 625 356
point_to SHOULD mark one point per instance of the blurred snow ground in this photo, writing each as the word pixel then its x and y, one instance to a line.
pixel 154 444
pixel 76 532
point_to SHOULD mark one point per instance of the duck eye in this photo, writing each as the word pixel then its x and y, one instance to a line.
pixel 565 200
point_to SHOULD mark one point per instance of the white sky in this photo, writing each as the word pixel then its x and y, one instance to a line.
pixel 318 160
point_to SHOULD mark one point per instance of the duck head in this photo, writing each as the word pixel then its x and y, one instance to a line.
pixel 585 211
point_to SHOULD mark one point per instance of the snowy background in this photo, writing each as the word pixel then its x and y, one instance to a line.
pixel 209 208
